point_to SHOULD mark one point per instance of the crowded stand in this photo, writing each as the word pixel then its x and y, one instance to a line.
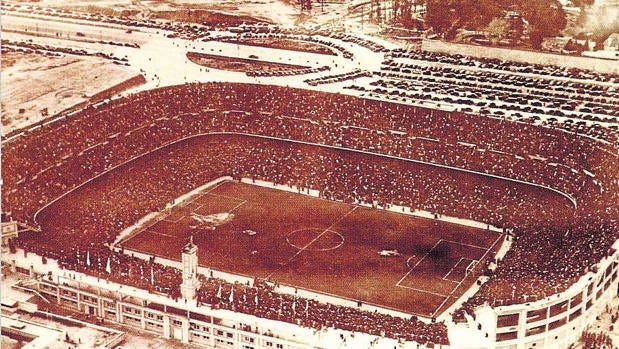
pixel 250 159
pixel 404 131
pixel 472 141
pixel 262 300
pixel 545 246
pixel 594 340
pixel 47 161
pixel 178 174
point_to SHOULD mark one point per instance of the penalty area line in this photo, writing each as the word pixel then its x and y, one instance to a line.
pixel 424 291
pixel 162 234
pixel 223 196
pixel 467 245
pixel 237 206
pixel 416 264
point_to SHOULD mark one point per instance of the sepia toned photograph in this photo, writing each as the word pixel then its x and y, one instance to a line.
pixel 310 174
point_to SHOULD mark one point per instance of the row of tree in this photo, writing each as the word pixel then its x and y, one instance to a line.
pixel 545 17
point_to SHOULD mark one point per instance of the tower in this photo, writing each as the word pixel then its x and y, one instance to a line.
pixel 190 270
pixel 9 230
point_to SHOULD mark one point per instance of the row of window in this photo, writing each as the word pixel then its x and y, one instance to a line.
pixel 199 337
pixel 89 299
pixel 198 327
pixel 157 317
pixel 133 316
pixel 152 324
pixel 532 316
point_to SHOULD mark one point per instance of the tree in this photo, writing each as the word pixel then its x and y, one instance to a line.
pixel 536 40
pixel 437 15
pixel 498 28
pixel 582 3
pixel 448 16
pixel 545 17
pixel 404 13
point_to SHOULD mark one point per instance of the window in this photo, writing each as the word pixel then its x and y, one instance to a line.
pixel 536 330
pixel 558 308
pixel 557 324
pixel 507 320
pixel 577 299
pixel 536 315
pixel 506 336
pixel 575 314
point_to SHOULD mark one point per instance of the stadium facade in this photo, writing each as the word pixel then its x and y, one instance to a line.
pixel 555 322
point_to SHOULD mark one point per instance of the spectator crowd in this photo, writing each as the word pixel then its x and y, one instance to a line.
pixel 350 149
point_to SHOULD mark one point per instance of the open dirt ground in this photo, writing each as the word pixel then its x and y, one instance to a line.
pixel 32 83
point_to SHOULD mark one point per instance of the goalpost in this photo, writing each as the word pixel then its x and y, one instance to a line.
pixel 471 267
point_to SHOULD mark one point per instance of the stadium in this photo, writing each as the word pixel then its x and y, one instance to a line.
pixel 401 209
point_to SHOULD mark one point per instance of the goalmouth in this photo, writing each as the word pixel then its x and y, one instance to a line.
pixel 471 267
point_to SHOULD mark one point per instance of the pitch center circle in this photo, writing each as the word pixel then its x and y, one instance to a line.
pixel 315 239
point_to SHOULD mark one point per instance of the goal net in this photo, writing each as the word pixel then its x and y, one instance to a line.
pixel 471 267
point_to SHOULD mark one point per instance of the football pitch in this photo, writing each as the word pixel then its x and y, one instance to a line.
pixel 325 246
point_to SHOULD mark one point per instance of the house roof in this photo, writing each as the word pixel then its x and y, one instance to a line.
pixel 612 41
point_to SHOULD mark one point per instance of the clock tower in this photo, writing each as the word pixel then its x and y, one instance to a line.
pixel 190 270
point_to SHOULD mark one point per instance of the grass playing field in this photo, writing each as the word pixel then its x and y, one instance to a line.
pixel 325 246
